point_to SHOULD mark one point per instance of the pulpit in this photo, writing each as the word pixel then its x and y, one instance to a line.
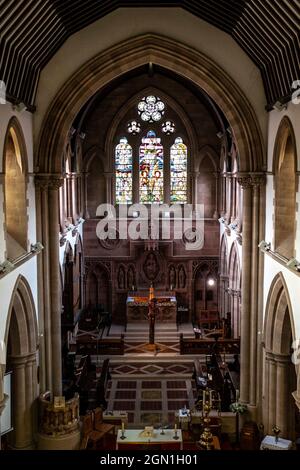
pixel 137 306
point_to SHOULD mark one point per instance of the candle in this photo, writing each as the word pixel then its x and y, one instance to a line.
pixel 175 427
pixel 123 426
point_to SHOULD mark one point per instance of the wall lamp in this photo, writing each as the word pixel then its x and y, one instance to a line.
pixel 233 225
pixel 6 267
pixel 37 247
pixel 264 246
pixel 279 106
pixel 293 264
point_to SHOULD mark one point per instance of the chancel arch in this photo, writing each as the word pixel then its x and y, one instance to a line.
pixel 167 53
pixel 279 381
pixel 208 78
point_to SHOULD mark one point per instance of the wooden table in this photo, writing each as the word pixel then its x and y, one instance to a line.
pixel 136 440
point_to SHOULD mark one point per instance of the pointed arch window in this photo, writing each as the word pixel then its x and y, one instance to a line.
pixel 123 171
pixel 178 168
pixel 151 159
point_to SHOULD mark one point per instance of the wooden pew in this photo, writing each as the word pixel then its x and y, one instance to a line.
pixel 88 344
pixel 208 346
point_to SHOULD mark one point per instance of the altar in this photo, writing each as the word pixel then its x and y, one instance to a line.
pixel 135 439
pixel 137 308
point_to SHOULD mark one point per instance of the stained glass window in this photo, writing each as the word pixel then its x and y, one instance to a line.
pixel 178 162
pixel 151 108
pixel 123 167
pixel 151 169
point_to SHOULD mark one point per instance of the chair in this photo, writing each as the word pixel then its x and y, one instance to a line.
pixel 99 425
pixel 98 417
pixel 89 434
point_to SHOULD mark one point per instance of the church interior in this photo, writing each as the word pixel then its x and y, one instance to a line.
pixel 149 225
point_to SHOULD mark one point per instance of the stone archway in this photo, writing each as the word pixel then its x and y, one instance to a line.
pixel 135 52
pixel 22 341
pixel 74 94
pixel 279 372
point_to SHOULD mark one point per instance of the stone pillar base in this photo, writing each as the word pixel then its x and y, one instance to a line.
pixel 65 442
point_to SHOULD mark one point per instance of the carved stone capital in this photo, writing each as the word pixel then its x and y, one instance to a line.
pixel 63 239
pixel 49 181
pixel 239 239
pixel 245 181
pixel 258 179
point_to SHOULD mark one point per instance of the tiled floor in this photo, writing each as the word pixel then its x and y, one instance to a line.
pixel 150 402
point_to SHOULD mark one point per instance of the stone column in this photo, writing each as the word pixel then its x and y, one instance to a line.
pixel 283 400
pixel 19 404
pixel 272 394
pixel 194 184
pixel 233 199
pixel 265 396
pixel 228 197
pixel 75 213
pixel 223 195
pixel 55 286
pixel 254 294
pixel 245 182
pixel 84 193
pixel 50 288
pixel 216 213
pixel 109 186
pixel 45 347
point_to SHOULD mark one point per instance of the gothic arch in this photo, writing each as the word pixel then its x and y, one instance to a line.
pixel 26 322
pixel 192 140
pixel 234 289
pixel 223 292
pixel 21 338
pixel 279 372
pixel 224 255
pixel 278 318
pixel 15 168
pixel 208 151
pixel 130 54
pixel 96 188
pixel 285 184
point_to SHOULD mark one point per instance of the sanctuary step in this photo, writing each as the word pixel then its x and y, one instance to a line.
pixel 163 332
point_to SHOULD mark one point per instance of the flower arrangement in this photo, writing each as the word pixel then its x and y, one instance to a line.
pixel 238 407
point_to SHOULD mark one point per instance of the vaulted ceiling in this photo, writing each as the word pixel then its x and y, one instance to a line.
pixel 31 31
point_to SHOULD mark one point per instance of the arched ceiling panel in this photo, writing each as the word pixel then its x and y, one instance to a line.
pixel 31 31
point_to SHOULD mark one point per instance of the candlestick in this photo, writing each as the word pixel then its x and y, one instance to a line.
pixel 237 395
pixel 123 431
